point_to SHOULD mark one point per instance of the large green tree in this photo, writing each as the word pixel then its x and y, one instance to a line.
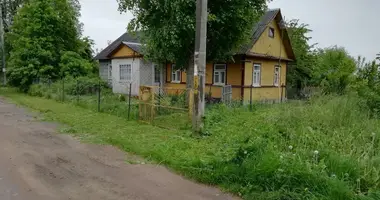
pixel 43 31
pixel 168 28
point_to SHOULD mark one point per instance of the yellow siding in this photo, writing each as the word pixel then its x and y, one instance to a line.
pixel 209 73
pixel 262 94
pixel 233 78
pixel 176 85
pixel 267 72
pixel 270 46
pixel 234 73
pixel 267 91
pixel 124 51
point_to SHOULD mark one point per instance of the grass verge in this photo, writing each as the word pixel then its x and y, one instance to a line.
pixel 327 148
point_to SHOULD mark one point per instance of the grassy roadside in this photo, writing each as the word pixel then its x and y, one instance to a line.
pixel 327 148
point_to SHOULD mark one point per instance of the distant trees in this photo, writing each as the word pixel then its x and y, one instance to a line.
pixel 45 41
pixel 330 69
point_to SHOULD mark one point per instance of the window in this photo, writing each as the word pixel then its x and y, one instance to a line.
pixel 125 72
pixel 157 74
pixel 276 77
pixel 176 75
pixel 109 71
pixel 271 32
pixel 256 79
pixel 220 74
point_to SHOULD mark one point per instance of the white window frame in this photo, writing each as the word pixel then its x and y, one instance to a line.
pixel 269 32
pixel 219 73
pixel 256 73
pixel 276 75
pixel 176 74
pixel 128 72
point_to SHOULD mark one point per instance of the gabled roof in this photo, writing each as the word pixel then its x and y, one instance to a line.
pixel 134 46
pixel 132 40
pixel 260 27
pixel 129 39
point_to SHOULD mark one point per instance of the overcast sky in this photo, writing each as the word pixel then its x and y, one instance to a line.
pixel 352 24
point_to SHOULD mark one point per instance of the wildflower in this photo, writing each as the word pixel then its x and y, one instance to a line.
pixel 373 134
pixel 245 152
pixel 333 176
pixel 290 147
pixel 316 152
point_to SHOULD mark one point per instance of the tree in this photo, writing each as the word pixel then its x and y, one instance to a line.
pixel 168 28
pixel 334 69
pixel 42 32
pixel 9 8
pixel 300 72
pixel 72 64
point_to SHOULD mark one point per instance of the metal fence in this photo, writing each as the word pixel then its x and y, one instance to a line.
pixel 165 106
pixel 92 94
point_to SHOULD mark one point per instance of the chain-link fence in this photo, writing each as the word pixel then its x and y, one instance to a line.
pixel 89 93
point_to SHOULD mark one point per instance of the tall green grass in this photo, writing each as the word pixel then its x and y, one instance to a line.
pixel 326 148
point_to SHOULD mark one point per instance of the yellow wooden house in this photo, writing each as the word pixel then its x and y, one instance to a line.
pixel 259 71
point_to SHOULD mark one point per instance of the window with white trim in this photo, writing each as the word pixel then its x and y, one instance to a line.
pixel 277 73
pixel 271 32
pixel 176 75
pixel 256 75
pixel 125 72
pixel 220 74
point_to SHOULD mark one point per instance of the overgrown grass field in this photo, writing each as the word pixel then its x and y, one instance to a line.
pixel 326 148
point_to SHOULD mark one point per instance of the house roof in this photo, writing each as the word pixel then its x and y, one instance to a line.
pixel 132 40
pixel 260 27
pixel 134 46
pixel 129 39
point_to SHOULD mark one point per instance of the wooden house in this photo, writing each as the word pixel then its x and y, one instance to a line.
pixel 258 73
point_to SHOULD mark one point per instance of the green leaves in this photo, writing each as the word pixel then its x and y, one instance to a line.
pixel 169 27
pixel 45 42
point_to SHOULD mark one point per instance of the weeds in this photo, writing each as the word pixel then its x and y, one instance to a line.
pixel 326 148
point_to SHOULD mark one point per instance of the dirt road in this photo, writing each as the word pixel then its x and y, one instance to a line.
pixel 38 164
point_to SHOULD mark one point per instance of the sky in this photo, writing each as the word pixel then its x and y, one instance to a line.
pixel 352 24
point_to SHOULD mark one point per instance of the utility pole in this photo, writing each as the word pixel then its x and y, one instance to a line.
pixel 200 65
pixel 2 45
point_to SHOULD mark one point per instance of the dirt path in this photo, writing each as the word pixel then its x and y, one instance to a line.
pixel 38 164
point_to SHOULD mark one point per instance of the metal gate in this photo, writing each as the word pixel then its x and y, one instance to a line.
pixel 227 94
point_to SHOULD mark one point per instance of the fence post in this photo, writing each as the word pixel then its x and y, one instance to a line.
pixel 282 93
pixel 250 99
pixel 152 106
pixel 99 96
pixel 191 103
pixel 63 89
pixel 77 89
pixel 159 98
pixel 129 100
